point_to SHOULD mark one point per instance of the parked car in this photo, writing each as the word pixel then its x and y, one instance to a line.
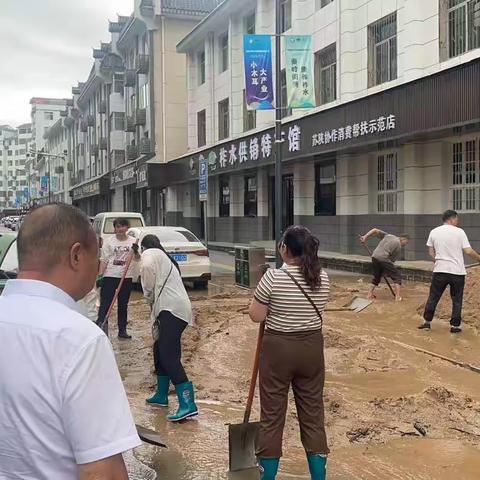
pixel 190 253
pixel 103 223
pixel 8 258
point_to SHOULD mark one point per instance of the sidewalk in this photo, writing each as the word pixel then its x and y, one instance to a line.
pixel 418 271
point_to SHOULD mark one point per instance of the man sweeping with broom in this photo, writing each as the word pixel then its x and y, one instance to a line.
pixel 384 258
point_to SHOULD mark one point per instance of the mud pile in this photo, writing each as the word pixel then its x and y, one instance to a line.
pixel 471 297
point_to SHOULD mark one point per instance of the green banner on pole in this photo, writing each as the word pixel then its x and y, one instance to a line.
pixel 299 71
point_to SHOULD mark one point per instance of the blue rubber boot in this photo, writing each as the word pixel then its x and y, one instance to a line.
pixel 186 403
pixel 318 466
pixel 160 397
pixel 268 468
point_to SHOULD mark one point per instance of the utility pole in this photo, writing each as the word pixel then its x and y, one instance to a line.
pixel 278 131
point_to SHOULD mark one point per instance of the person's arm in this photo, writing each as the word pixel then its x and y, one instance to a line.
pixel 147 276
pixel 107 253
pixel 95 412
pixel 258 311
pixel 472 253
pixel 432 253
pixel 374 232
pixel 112 468
pixel 136 252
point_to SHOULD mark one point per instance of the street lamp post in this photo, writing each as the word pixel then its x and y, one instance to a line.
pixel 278 132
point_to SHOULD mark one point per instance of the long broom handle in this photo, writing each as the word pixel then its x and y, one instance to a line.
pixel 253 381
pixel 384 277
pixel 120 285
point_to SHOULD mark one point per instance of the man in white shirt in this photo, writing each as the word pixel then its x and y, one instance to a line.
pixel 446 245
pixel 64 414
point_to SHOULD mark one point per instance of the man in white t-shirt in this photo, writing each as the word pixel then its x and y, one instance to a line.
pixel 64 414
pixel 116 253
pixel 447 245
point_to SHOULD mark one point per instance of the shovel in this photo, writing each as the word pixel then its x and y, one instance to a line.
pixel 149 436
pixel 357 304
pixel 384 277
pixel 242 437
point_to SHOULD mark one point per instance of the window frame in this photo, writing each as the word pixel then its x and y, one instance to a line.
pixel 223 204
pixel 285 111
pixel 224 119
pixel 329 69
pixel 247 24
pixel 376 74
pixel 201 69
pixel 319 4
pixel 249 116
pixel 387 184
pixel 202 133
pixel 285 15
pixel 471 33
pixel 250 205
pixel 324 164
pixel 224 57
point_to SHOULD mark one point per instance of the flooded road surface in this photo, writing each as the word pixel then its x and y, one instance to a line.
pixel 380 394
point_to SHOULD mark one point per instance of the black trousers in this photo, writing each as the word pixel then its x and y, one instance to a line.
pixel 386 269
pixel 440 281
pixel 107 292
pixel 167 350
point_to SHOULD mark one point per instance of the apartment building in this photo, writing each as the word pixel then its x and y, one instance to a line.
pixel 14 184
pixel 394 139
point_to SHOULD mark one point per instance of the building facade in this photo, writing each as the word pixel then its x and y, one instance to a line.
pixel 394 140
pixel 14 177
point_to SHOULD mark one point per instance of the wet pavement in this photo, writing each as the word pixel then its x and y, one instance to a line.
pixel 377 389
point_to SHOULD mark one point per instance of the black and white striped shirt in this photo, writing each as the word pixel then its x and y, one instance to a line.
pixel 288 309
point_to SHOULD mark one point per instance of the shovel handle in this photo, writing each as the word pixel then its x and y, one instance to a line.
pixel 253 381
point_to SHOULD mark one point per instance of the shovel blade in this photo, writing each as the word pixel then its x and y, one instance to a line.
pixel 242 441
pixel 357 304
pixel 150 436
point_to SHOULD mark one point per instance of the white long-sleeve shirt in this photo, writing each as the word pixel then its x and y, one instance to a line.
pixel 157 270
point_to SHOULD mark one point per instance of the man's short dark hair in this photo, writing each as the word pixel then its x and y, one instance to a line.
pixel 121 222
pixel 404 235
pixel 48 233
pixel 448 215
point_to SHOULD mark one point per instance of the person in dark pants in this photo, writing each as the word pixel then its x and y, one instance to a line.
pixel 384 258
pixel 446 245
pixel 113 261
pixel 290 301
pixel 171 314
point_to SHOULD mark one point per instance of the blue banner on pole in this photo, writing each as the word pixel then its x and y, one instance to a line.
pixel 257 51
pixel 44 183
pixel 203 178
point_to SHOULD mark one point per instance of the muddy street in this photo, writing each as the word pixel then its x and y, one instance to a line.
pixel 393 409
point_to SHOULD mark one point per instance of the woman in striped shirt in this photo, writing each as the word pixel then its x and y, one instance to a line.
pixel 290 301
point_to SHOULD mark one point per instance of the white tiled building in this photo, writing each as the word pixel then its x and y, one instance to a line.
pixel 394 140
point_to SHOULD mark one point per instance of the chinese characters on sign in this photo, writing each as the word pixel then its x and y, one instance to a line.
pixel 299 71
pixel 257 51
pixel 361 129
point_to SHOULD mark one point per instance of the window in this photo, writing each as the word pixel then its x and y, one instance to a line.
pixel 223 43
pixel 224 189
pixel 382 50
pixel 201 128
pixel 250 197
pixel 143 96
pixel 463 32
pixel 466 176
pixel 201 67
pixel 10 153
pixel 118 83
pixel 118 121
pixel 223 119
pixel 387 183
pixel 326 188
pixel 48 115
pixel 285 112
pixel 326 75
pixel 321 3
pixel 286 15
pixel 250 24
pixel 249 116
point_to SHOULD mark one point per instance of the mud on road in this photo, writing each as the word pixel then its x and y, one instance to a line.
pixel 391 412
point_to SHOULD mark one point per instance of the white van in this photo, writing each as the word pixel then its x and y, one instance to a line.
pixel 103 223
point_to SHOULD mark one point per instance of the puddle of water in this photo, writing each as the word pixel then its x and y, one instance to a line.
pixel 407 459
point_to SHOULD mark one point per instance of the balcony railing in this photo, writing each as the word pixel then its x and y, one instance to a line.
pixel 131 152
pixel 59 170
pixel 83 126
pixel 90 120
pixel 102 107
pixel 140 116
pixel 130 124
pixel 130 78
pixel 117 158
pixel 102 143
pixel 141 64
pixel 146 146
pixel 146 8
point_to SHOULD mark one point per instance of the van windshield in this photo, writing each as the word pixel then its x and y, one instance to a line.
pixel 134 223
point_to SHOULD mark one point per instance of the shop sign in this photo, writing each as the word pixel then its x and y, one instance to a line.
pixel 124 175
pixel 142 176
pixel 87 190
pixel 203 178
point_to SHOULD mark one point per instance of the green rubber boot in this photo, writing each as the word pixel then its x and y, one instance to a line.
pixel 268 468
pixel 318 466
pixel 160 397
pixel 186 403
